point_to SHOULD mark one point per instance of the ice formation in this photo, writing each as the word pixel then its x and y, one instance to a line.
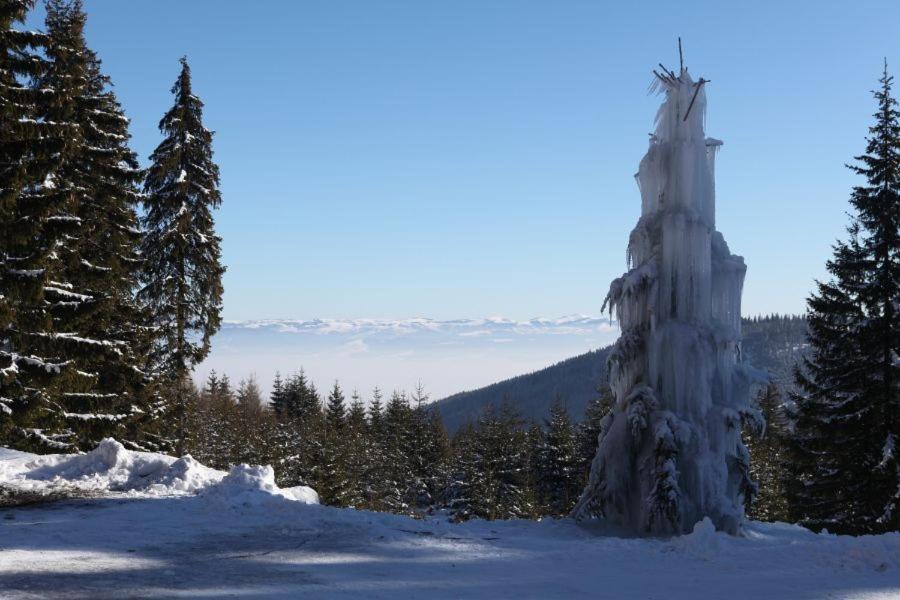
pixel 670 451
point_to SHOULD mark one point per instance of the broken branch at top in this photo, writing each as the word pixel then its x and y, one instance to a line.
pixel 698 85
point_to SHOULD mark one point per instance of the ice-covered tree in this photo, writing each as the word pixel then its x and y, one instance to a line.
pixel 671 453
pixel 844 462
pixel 182 276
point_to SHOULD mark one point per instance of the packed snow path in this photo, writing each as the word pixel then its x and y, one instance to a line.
pixel 235 538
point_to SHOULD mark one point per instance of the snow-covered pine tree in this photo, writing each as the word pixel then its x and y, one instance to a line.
pixel 557 482
pixel 504 463
pixel 92 277
pixel 589 430
pixel 276 396
pixel 357 458
pixel 768 460
pixel 462 493
pixel 299 433
pixel 844 460
pixel 248 428
pixel 31 375
pixel 210 419
pixel 333 484
pixel 182 275
pixel 427 449
pixel 375 464
pixel 396 474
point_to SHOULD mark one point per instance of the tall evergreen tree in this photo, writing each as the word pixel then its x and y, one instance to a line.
pixel 182 277
pixel 31 376
pixel 845 464
pixel 70 241
pixel 98 326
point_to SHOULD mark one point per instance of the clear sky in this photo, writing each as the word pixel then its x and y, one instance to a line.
pixel 462 159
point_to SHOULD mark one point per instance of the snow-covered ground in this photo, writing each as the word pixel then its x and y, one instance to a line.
pixel 174 528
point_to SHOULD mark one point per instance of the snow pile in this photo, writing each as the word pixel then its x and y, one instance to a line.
pixel 252 485
pixel 110 468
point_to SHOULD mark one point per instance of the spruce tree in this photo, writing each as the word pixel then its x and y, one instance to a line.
pixel 396 475
pixel 299 435
pixel 590 429
pixel 32 375
pixel 844 462
pixel 557 480
pixel 504 463
pixel 334 485
pixel 182 276
pixel 768 459
pixel 375 465
pixel 357 457
pixel 276 396
pixel 427 449
pixel 98 326
pixel 463 492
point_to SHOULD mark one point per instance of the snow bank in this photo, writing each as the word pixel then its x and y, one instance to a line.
pixel 110 468
pixel 251 485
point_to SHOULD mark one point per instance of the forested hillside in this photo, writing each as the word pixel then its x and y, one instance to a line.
pixel 771 343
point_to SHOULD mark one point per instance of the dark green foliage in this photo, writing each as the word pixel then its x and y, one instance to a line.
pixel 844 457
pixel 768 459
pixel 30 148
pixel 182 276
pixel 333 481
pixel 555 464
pixel 98 327
pixel 299 434
pixel 589 430
pixel 70 238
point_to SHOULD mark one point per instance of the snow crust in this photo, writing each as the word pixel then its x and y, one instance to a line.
pixel 168 528
pixel 110 468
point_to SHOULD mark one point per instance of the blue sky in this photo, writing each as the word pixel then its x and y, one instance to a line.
pixel 462 159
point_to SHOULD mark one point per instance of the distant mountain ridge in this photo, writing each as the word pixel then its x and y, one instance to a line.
pixel 772 344
pixel 446 355
pixel 563 325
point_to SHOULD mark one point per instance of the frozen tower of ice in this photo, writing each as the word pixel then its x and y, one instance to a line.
pixel 670 450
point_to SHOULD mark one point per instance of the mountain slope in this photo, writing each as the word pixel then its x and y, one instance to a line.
pixel 771 344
